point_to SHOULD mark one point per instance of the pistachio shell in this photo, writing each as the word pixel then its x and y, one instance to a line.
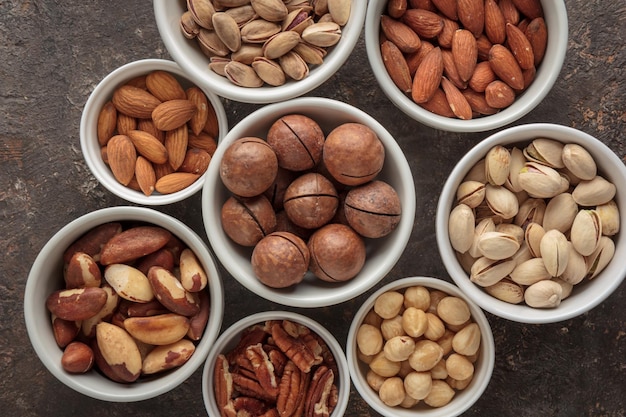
pixel 545 151
pixel 497 245
pixel 461 227
pixel 212 43
pixel 471 193
pixel 497 165
pixel 529 272
pixel 560 212
pixel 533 234
pixel 586 231
pixel 189 26
pixel 540 181
pixel 217 65
pixel 554 252
pixel 311 54
pixel 202 12
pixel 294 66
pixel 507 291
pixel 323 34
pixel 485 271
pixel 279 44
pixel 565 286
pixel 576 268
pixel 609 214
pixel 297 20
pixel 601 257
pixel 544 294
pixel 517 163
pixel 227 30
pixel 483 211
pixel 483 226
pixel 531 210
pixel 477 172
pixel 242 14
pixel 594 192
pixel 466 260
pixel 577 160
pixel 247 53
pixel 522 255
pixel 242 75
pixel 501 201
pixel 272 10
pixel 513 230
pixel 259 31
pixel 339 10
pixel 269 71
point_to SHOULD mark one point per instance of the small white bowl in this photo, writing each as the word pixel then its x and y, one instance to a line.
pixel 547 74
pixel 46 277
pixel 382 253
pixel 585 295
pixel 188 55
pixel 89 122
pixel 463 399
pixel 229 338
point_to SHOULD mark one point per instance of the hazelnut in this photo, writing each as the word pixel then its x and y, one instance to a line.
pixel 337 253
pixel 249 167
pixel 369 339
pixel 388 304
pixel 418 297
pixel 418 384
pixel 414 322
pixel 383 366
pixel 391 391
pixel 311 200
pixel 248 220
pixel 459 367
pixel 399 348
pixel 440 394
pixel 391 328
pixel 373 209
pixel 298 142
pixel 353 154
pixel 453 310
pixel 280 259
pixel 425 356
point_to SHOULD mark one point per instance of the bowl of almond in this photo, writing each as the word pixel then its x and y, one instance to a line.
pixel 466 66
pixel 148 132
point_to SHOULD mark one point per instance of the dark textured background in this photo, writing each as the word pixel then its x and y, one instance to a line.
pixel 53 54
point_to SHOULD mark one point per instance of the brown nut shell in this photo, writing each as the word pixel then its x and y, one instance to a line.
pixel 311 200
pixel 337 253
pixel 280 260
pixel 373 210
pixel 248 167
pixel 297 140
pixel 248 220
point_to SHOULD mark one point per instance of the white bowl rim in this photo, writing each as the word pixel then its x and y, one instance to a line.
pixel 330 297
pixel 89 118
pixel 538 89
pixel 144 389
pixel 519 312
pixel 266 94
pixel 487 350
pixel 237 327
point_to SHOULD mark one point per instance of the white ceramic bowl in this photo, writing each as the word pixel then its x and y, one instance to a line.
pixel 188 55
pixel 463 399
pixel 547 74
pixel 229 338
pixel 89 121
pixel 46 277
pixel 585 295
pixel 382 253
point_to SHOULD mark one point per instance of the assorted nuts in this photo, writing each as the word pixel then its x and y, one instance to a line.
pixel 157 136
pixel 306 201
pixel 277 368
pixel 465 58
pixel 531 222
pixel 134 303
pixel 264 42
pixel 420 345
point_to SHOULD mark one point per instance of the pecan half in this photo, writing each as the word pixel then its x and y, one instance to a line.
pixel 263 368
pixel 223 387
pixel 251 336
pixel 250 388
pixel 250 406
pixel 319 393
pixel 296 349
pixel 277 357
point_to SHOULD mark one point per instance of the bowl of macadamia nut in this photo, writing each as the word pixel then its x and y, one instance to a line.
pixel 148 131
pixel 260 51
pixel 123 304
pixel 528 223
pixel 308 202
pixel 466 66
pixel 419 346
pixel 276 363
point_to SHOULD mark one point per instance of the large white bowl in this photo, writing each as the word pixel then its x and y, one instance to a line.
pixel 229 338
pixel 382 254
pixel 89 122
pixel 46 277
pixel 585 295
pixel 463 399
pixel 188 55
pixel 547 74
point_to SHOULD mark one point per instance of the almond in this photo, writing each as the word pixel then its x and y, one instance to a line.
pixel 415 59
pixel 147 125
pixel 423 22
pixel 176 144
pixel 107 120
pixel 172 114
pixel 477 102
pixel 121 155
pixel 202 141
pixel 459 105
pixel 465 53
pixel 396 8
pixel 537 34
pixel 447 33
pixel 428 76
pixel 447 7
pixel 529 76
pixel 520 47
pixel 529 8
pixel 164 86
pixel 505 66
pixel 196 161
pixel 499 95
pixel 450 70
pixel 148 146
pixel 472 15
pixel 422 4
pixel 396 66
pixel 494 22
pixel 509 11
pixel 199 99
pixel 400 34
pixel 438 104
pixel 138 81
pixel 134 101
pixel 484 46
pixel 161 170
pixel 483 75
pixel 212 125
pixel 125 123
pixel 145 176
pixel 175 182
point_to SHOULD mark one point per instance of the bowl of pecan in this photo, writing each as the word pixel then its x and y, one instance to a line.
pixel 148 132
pixel 276 363
pixel 260 51
pixel 123 304
pixel 466 66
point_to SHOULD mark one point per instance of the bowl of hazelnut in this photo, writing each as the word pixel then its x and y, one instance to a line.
pixel 466 66
pixel 260 51
pixel 148 131
pixel 123 304
pixel 528 223
pixel 419 346
pixel 277 363
pixel 309 202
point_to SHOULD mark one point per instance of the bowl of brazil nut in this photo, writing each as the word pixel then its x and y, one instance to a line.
pixel 528 223
pixel 148 132
pixel 278 363
pixel 123 304
pixel 309 202
pixel 260 51
pixel 419 346
pixel 466 66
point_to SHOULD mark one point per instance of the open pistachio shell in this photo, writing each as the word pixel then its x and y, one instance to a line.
pixel 576 268
pixel 497 165
pixel 529 272
pixel 530 211
pixel 461 227
pixel 471 193
pixel 560 212
pixel 586 231
pixel 594 192
pixel 545 151
pixel 512 229
pixel 501 201
pixel 507 291
pixel 540 181
pixel 609 214
pixel 483 226
pixel 601 257
pixel 517 163
pixel 554 252
pixel 577 160
pixel 533 234
pixel 497 245
pixel 485 271
pixel 544 294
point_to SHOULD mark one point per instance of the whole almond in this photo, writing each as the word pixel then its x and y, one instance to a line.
pixel 505 66
pixel 423 4
pixel 138 81
pixel 450 70
pixel 125 123
pixel 148 146
pixel 465 53
pixel 438 104
pixel 529 8
pixel 172 114
pixel 494 22
pixel 161 170
pixel 447 7
pixel 415 59
pixel 196 161
pixel 427 76
pixel 537 34
pixel 499 95
pixel 477 102
pixel 520 47
pixel 396 66
pixel 459 105
pixel 176 144
pixel 121 154
pixel 202 141
pixel 447 33
pixel 107 121
pixel 484 46
pixel 529 76
pixel 483 75
pixel 175 182
pixel 145 176
pixel 472 15
pixel 212 125
pixel 396 8
pixel 509 11
pixel 400 34
pixel 147 125
pixel 423 22
pixel 198 120
pixel 164 86
pixel 134 101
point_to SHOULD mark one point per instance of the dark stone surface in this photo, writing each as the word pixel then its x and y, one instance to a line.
pixel 54 53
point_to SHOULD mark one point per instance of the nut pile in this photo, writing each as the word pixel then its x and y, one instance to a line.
pixel 420 346
pixel 134 302
pixel 277 368
pixel 157 136
pixel 531 222
pixel 463 58
pixel 264 42
pixel 306 201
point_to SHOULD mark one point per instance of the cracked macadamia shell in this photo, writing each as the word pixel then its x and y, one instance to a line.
pixel 297 140
pixel 280 260
pixel 337 253
pixel 373 209
pixel 248 220
pixel 311 201
pixel 249 167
